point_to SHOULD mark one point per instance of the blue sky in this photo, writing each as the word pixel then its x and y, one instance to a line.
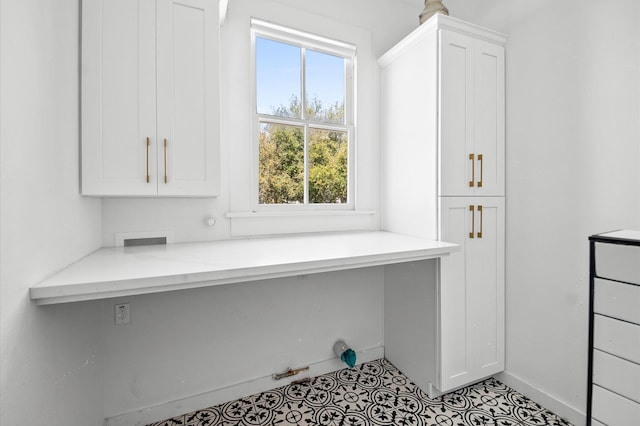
pixel 278 75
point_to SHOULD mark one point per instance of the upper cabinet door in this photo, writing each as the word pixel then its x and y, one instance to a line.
pixel 188 93
pixel 118 97
pixel 472 116
pixel 150 93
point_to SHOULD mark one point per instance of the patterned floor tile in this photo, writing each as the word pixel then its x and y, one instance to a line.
pixel 374 394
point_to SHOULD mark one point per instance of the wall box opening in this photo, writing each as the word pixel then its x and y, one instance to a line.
pixel 135 239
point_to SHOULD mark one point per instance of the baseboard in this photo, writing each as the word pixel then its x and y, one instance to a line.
pixel 171 409
pixel 567 412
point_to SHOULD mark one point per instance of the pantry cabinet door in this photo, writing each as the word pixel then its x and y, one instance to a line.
pixel 472 124
pixel 457 170
pixel 118 97
pixel 455 350
pixel 485 269
pixel 489 139
pixel 471 311
pixel 188 93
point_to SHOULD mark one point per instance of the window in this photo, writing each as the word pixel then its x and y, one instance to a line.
pixel 304 93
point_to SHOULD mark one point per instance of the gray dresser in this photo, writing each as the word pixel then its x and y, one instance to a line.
pixel 613 394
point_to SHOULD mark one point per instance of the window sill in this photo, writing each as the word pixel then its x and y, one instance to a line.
pixel 308 213
pixel 262 223
pixel 126 271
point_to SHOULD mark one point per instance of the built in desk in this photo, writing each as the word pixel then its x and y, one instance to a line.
pixel 126 271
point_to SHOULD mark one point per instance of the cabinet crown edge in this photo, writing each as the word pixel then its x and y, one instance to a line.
pixel 440 22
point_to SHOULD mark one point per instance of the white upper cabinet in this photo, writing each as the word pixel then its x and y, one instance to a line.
pixel 150 98
pixel 472 128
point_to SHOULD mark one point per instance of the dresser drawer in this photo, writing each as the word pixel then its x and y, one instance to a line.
pixel 617 337
pixel 617 375
pixel 618 262
pixel 617 300
pixel 612 409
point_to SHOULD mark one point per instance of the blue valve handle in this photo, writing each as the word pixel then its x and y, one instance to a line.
pixel 349 358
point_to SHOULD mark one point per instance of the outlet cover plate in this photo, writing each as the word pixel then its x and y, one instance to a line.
pixel 122 313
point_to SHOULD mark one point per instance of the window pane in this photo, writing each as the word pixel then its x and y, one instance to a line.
pixel 327 166
pixel 324 87
pixel 277 78
pixel 281 168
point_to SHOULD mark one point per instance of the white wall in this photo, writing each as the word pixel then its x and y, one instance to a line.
pixel 50 356
pixel 573 149
pixel 185 343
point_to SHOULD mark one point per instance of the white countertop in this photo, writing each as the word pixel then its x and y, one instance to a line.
pixel 125 271
pixel 622 234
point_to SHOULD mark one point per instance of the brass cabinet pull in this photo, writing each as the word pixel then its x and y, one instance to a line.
pixel 473 170
pixel 480 181
pixel 480 211
pixel 148 143
pixel 473 222
pixel 165 160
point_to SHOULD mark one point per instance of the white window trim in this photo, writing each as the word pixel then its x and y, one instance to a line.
pixel 260 28
pixel 298 38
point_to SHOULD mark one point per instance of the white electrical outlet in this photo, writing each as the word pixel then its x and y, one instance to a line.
pixel 122 313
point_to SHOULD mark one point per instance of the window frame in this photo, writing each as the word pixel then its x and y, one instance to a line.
pixel 306 41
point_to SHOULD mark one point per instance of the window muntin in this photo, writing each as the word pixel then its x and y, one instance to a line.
pixel 304 103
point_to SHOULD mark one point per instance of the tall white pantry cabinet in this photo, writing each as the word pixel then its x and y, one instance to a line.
pixel 150 97
pixel 443 111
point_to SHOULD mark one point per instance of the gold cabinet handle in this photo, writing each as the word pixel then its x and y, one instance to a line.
pixel 165 160
pixel 473 222
pixel 473 170
pixel 148 144
pixel 480 160
pixel 480 211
